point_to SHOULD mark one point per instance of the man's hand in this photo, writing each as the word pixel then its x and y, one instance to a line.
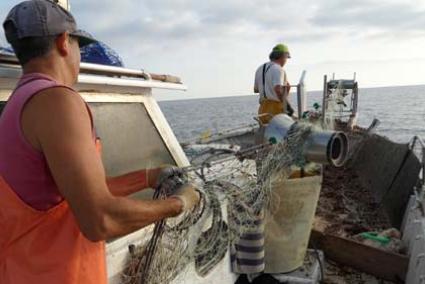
pixel 167 173
pixel 166 178
pixel 286 89
pixel 189 196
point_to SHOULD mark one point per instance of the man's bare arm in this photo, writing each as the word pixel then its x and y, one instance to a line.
pixel 59 124
pixel 287 89
pixel 282 92
pixel 133 182
pixel 256 83
pixel 278 89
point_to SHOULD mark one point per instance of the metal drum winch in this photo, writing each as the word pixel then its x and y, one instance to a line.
pixel 323 147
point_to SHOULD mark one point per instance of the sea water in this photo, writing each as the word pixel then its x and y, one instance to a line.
pixel 401 111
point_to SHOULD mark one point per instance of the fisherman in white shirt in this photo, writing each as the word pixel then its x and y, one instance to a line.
pixel 272 85
pixel 247 254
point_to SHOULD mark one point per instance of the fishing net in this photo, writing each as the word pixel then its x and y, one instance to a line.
pixel 234 192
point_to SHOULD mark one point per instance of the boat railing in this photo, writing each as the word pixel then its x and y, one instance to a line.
pixel 415 142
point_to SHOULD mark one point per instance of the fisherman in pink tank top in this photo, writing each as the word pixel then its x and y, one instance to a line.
pixel 22 166
pixel 48 154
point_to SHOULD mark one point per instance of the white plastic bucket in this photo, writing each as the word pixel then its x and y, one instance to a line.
pixel 287 230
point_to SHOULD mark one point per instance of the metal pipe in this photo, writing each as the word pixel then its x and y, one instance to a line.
pixel 127 82
pixel 9 74
pixel 327 148
pixel 301 99
pixel 323 147
pixel 98 69
pixel 325 95
pixel 105 70
pixel 356 98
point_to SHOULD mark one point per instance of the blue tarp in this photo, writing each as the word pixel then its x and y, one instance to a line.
pixel 98 53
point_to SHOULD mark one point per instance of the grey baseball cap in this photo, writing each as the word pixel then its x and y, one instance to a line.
pixel 41 18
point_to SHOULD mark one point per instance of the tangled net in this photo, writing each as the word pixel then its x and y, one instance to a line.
pixel 234 192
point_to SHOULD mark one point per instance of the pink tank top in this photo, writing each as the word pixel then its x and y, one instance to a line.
pixel 23 167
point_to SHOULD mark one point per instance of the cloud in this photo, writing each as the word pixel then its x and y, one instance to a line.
pixel 183 22
pixel 217 45
pixel 372 18
pixel 190 20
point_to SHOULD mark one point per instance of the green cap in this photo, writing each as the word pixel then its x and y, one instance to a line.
pixel 281 48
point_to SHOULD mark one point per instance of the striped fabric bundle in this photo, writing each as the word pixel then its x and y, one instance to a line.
pixel 247 255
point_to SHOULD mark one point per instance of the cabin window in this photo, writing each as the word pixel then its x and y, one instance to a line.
pixel 130 140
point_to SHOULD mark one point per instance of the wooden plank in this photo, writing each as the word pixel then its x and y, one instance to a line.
pixel 374 261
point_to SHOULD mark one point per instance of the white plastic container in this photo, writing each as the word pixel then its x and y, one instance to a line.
pixel 287 230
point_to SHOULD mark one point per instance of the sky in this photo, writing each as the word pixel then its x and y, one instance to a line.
pixel 216 46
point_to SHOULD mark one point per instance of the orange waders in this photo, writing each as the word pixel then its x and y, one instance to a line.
pixel 44 247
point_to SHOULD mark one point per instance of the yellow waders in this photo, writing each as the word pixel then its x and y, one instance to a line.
pixel 268 109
